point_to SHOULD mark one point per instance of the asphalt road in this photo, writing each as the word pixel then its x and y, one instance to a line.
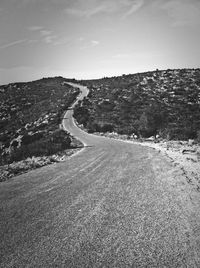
pixel 113 204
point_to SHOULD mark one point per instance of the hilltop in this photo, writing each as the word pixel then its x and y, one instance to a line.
pixel 158 103
pixel 30 118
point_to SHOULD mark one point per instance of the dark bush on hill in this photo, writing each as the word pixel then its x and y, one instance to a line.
pixel 198 136
pixel 27 138
pixel 58 141
pixel 98 127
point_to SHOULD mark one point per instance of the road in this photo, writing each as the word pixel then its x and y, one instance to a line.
pixel 113 204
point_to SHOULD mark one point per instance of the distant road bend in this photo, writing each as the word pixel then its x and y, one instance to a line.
pixel 114 204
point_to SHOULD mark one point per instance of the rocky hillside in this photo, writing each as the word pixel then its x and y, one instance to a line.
pixel 164 103
pixel 30 114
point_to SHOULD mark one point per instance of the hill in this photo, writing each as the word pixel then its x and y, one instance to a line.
pixel 164 103
pixel 30 114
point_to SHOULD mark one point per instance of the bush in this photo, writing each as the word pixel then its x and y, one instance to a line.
pixel 198 136
pixel 54 143
pixel 27 139
pixel 61 137
pixel 107 128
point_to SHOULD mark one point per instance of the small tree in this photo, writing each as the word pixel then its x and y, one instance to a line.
pixel 142 125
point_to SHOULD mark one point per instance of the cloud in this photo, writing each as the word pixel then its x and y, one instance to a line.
pixel 11 44
pixel 49 39
pixel 85 13
pixel 47 36
pixel 32 41
pixel 61 41
pixel 89 8
pixel 90 44
pixel 135 7
pixel 45 33
pixel 94 42
pixel 29 2
pixel 35 28
pixel 183 12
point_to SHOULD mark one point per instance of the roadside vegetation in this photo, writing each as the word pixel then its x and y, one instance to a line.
pixel 30 118
pixel 159 103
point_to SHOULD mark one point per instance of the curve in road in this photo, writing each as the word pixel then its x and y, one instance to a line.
pixel 112 205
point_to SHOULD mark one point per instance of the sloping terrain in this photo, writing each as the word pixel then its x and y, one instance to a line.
pixel 114 204
pixel 30 115
pixel 164 103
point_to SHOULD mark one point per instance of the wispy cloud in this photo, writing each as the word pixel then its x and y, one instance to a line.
pixel 27 2
pixel 95 43
pixel 85 13
pixel 90 44
pixel 47 36
pixel 35 28
pixel 49 39
pixel 136 5
pixel 11 44
pixel 45 33
pixel 32 41
pixel 182 12
pixel 90 8
pixel 61 41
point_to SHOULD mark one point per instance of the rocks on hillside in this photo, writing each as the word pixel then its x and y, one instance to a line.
pixel 164 103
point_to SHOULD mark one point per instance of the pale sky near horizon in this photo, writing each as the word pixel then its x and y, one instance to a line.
pixel 96 38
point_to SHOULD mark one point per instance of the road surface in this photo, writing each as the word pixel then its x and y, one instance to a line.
pixel 114 204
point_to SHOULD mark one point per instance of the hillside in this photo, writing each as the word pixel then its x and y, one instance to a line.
pixel 159 103
pixel 30 114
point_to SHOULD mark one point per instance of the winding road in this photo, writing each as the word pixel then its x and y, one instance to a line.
pixel 113 204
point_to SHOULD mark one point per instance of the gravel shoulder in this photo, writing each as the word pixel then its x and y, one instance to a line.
pixel 185 155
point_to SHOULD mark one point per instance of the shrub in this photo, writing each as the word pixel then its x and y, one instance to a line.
pixel 61 137
pixel 107 128
pixel 27 139
pixel 59 140
pixel 198 136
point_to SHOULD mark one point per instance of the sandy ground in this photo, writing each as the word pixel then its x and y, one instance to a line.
pixel 182 154
pixel 185 155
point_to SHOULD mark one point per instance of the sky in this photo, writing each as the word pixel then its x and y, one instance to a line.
pixel 96 38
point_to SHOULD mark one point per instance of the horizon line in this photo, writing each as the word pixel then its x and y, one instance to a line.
pixel 103 76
